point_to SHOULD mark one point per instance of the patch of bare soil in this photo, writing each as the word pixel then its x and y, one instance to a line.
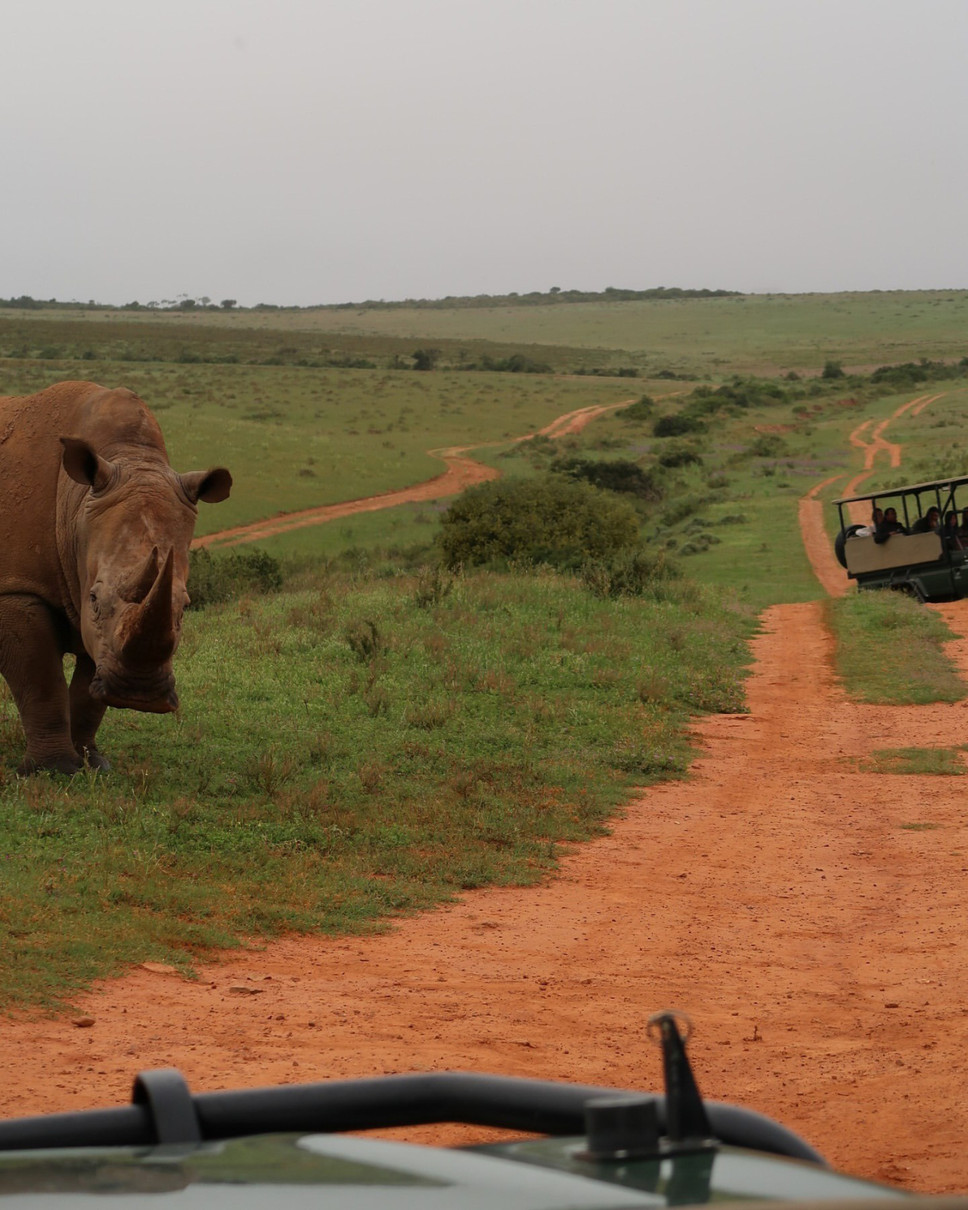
pixel 808 916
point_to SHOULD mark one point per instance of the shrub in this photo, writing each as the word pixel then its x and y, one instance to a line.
pixel 615 475
pixel 364 639
pixel 769 445
pixel 677 424
pixel 216 578
pixel 739 394
pixel 608 371
pixel 698 543
pixel 628 574
pixel 433 586
pixel 680 455
pixel 642 409
pixel 552 520
pixel 517 363
pixel 681 508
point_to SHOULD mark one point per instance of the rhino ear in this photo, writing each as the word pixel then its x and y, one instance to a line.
pixel 84 465
pixel 211 486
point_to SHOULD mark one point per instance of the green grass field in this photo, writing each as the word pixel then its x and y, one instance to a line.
pixel 363 747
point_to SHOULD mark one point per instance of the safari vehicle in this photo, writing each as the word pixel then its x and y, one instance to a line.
pixel 288 1147
pixel 928 561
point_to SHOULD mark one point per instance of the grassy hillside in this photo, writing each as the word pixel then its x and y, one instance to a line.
pixel 743 334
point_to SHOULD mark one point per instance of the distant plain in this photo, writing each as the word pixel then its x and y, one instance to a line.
pixel 707 336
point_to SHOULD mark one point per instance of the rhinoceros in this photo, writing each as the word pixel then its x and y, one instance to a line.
pixel 95 528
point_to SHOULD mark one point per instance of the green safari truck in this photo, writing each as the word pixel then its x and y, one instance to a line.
pixel 916 540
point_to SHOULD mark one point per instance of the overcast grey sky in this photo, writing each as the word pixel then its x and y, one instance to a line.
pixel 303 151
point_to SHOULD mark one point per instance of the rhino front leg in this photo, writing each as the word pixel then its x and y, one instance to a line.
pixel 86 713
pixel 31 662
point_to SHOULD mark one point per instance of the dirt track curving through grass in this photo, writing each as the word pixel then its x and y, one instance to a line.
pixel 807 915
pixel 462 472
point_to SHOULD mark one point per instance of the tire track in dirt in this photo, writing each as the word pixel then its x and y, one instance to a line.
pixel 878 443
pixel 818 546
pixel 462 472
pixel 808 915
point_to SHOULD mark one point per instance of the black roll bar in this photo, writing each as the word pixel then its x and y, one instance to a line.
pixel 165 1111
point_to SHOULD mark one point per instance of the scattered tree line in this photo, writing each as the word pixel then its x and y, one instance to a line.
pixel 185 302
pixel 516 363
pixel 911 373
pixel 24 302
pixel 534 298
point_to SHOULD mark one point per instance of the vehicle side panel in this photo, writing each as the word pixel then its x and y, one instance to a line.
pixel 864 555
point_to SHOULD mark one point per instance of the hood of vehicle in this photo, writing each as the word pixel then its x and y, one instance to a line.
pixel 289 1172
pixel 720 1174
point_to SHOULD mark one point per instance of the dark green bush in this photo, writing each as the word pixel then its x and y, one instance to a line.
pixel 517 363
pixel 642 409
pixel 680 455
pixel 680 508
pixel 769 445
pixel 911 373
pixel 216 578
pixel 425 359
pixel 677 424
pixel 698 543
pixel 608 371
pixel 614 475
pixel 552 520
pixel 740 393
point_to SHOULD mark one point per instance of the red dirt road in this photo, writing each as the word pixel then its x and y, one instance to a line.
pixel 809 917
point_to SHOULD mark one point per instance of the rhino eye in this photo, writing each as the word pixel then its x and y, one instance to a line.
pixel 92 598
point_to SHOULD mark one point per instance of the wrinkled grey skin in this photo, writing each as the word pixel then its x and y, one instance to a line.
pixel 95 528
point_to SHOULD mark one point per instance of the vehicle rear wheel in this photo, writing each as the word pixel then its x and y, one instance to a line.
pixel 841 539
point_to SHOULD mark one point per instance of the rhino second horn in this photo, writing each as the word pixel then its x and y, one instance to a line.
pixel 150 638
pixel 136 587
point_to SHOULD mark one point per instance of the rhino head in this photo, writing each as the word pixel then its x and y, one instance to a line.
pixel 132 536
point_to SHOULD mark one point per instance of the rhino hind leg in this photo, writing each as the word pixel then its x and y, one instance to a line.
pixel 31 662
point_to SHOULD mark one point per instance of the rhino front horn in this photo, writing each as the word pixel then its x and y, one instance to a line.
pixel 150 637
pixel 137 586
